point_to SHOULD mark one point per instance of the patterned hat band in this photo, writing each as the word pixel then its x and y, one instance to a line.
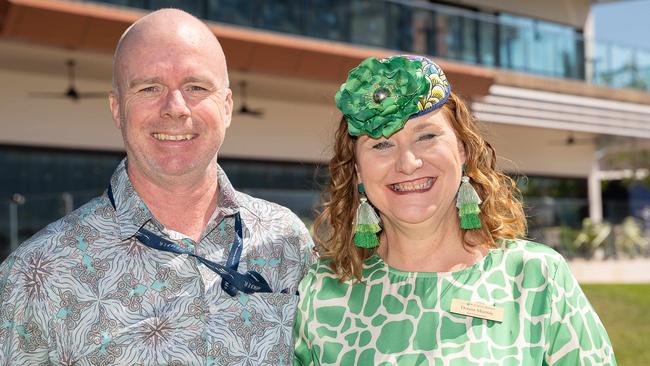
pixel 379 96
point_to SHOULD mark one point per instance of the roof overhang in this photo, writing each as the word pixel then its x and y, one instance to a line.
pixel 96 27
pixel 544 109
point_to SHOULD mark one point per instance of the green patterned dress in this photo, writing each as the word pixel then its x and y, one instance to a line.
pixel 403 318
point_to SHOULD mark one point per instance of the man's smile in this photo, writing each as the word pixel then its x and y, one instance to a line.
pixel 169 137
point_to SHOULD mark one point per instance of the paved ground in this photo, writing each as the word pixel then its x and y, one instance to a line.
pixel 611 271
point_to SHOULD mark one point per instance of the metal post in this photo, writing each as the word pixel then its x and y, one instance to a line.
pixel 595 193
pixel 68 202
pixel 16 200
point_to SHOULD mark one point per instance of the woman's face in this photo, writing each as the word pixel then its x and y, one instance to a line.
pixel 413 176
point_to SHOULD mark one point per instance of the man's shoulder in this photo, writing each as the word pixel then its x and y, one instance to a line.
pixel 81 224
pixel 266 210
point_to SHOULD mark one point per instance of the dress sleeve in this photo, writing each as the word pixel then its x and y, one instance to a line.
pixel 302 338
pixel 574 333
pixel 23 337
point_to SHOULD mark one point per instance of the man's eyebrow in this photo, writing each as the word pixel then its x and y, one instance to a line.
pixel 135 82
pixel 195 79
pixel 199 79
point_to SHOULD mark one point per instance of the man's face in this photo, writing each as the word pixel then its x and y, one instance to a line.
pixel 172 107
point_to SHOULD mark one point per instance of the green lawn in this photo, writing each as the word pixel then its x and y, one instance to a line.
pixel 625 311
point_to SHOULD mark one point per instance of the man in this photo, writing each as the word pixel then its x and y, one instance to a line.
pixel 171 265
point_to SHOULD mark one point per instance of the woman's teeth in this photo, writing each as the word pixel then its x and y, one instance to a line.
pixel 417 185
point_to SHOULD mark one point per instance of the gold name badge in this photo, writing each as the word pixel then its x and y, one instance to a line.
pixel 477 310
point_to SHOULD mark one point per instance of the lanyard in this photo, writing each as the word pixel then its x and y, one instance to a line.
pixel 231 280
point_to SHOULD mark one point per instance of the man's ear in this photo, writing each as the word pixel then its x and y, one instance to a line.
pixel 114 103
pixel 227 108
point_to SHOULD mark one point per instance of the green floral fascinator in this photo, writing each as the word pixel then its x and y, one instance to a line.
pixel 379 96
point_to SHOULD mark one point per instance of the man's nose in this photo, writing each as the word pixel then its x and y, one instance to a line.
pixel 408 162
pixel 174 105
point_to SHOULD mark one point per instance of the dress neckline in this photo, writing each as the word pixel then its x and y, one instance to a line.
pixel 482 263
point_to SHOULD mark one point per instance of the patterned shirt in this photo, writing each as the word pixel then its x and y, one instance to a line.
pixel 84 291
pixel 393 317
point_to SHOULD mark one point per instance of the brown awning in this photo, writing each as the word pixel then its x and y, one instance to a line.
pixel 96 27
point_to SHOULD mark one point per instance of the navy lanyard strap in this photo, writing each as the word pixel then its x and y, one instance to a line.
pixel 231 280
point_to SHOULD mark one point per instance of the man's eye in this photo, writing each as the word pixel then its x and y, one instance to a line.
pixel 382 145
pixel 149 89
pixel 195 88
pixel 425 137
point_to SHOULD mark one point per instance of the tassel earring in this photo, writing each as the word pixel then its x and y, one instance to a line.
pixel 366 225
pixel 467 202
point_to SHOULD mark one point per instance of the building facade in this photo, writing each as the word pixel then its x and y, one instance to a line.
pixel 553 102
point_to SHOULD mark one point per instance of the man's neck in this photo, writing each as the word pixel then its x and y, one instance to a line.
pixel 184 205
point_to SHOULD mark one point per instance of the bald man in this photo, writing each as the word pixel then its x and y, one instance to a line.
pixel 171 266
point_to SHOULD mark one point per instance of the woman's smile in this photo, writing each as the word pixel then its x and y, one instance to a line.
pixel 419 185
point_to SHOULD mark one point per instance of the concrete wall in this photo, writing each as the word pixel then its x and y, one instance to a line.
pixel 540 151
pixel 569 12
pixel 54 122
pixel 291 129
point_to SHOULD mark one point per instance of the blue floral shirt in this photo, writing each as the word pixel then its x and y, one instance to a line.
pixel 84 291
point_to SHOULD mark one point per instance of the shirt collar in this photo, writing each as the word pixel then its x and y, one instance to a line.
pixel 132 213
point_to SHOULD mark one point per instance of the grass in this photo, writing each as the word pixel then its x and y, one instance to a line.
pixel 625 312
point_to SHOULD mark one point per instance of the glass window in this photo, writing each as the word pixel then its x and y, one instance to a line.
pixel 232 11
pixel 555 207
pixel 327 19
pixel 195 7
pixel 46 184
pixel 540 47
pixel 368 23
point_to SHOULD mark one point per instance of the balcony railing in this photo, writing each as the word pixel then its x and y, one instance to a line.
pixel 511 43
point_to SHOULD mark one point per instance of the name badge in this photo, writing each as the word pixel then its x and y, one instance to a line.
pixel 477 310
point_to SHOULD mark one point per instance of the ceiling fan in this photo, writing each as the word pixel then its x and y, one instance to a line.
pixel 71 92
pixel 243 107
pixel 571 140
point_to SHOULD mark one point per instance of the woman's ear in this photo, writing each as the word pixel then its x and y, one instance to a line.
pixel 461 152
pixel 358 173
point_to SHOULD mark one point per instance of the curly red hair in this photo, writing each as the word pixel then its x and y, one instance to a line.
pixel 502 214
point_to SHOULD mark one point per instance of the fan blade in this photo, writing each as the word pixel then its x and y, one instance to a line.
pixel 47 95
pixel 89 95
pixel 256 112
pixel 253 112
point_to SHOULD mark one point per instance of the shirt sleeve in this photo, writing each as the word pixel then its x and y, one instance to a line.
pixel 575 335
pixel 306 250
pixel 301 336
pixel 23 337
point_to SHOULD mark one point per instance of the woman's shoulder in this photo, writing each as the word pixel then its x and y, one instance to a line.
pixel 521 255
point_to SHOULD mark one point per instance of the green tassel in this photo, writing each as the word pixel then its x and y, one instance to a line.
pixel 366 240
pixel 467 202
pixel 366 225
pixel 469 222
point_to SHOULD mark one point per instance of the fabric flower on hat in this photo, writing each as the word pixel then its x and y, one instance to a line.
pixel 380 96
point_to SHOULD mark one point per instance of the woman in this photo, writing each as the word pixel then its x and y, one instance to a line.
pixel 439 276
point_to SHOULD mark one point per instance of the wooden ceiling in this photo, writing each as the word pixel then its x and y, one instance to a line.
pixel 95 27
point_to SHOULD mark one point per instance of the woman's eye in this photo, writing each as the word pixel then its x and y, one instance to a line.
pixel 426 137
pixel 382 145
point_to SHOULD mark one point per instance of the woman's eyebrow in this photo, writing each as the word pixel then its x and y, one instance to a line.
pixel 422 126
